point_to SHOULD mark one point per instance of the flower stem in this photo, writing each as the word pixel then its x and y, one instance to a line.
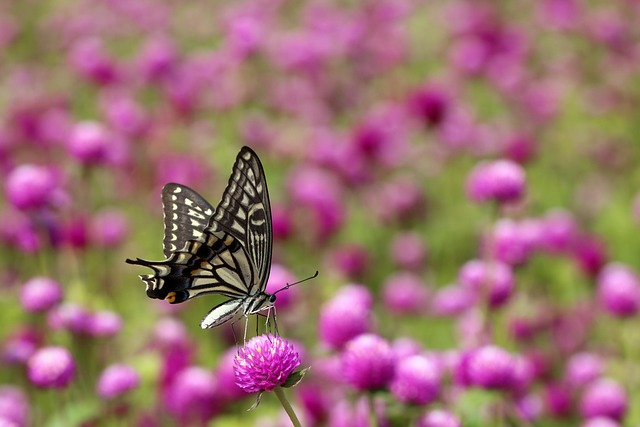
pixel 287 406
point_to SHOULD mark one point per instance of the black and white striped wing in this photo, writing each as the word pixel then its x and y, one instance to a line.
pixel 245 214
pixel 186 214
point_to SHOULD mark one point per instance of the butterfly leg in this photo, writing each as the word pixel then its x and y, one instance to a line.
pixel 246 326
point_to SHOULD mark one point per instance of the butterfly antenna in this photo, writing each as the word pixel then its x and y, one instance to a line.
pixel 288 285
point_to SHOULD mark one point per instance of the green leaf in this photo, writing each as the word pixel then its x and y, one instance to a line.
pixel 294 378
pixel 257 402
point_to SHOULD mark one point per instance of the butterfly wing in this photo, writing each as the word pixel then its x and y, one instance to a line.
pixel 232 255
pixel 186 214
pixel 245 214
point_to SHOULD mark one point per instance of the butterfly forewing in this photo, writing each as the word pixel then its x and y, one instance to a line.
pixel 186 214
pixel 245 214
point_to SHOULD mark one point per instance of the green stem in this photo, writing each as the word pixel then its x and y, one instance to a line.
pixel 287 406
pixel 373 417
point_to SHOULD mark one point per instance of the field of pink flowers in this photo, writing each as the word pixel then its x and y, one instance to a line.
pixel 463 174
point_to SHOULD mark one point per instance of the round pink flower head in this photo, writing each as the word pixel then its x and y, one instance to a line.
pixel 30 186
pixel 264 363
pixel 109 228
pixel 494 279
pixel 40 294
pixel 280 276
pixel 491 367
pixel 583 368
pixel 345 316
pixel 14 407
pixel 51 367
pixel 89 142
pixel 103 324
pixel 368 362
pixel 619 290
pixel 604 398
pixel 600 422
pixel 192 396
pixel 452 300
pixel 508 243
pixel 500 180
pixel 439 418
pixel 228 390
pixel 117 380
pixel 405 293
pixel 416 381
pixel 408 251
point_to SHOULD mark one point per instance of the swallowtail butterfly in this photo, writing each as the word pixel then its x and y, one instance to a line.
pixel 224 250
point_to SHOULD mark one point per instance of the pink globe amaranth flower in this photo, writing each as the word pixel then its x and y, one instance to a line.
pixel 520 148
pixel 342 319
pixel 90 143
pixel 559 14
pixel 88 58
pixel 416 380
pixel 404 347
pixel 368 362
pixel 315 402
pixel 117 380
pixel 559 231
pixel 604 398
pixel 558 400
pixel 600 422
pixel 351 260
pixel 264 363
pixel 507 243
pixel 20 345
pixel 494 280
pixel 279 277
pixel 499 180
pixel 321 193
pixel 430 104
pixel 405 293
pixel 192 396
pixel 69 316
pixel 30 186
pixel 51 367
pixel 108 228
pixel 183 168
pixel 408 251
pixel 619 290
pixel 228 390
pixel 281 221
pixel 40 294
pixel 397 201
pixel 529 407
pixel 14 406
pixel 170 333
pixel 452 300
pixel 158 59
pixel 491 367
pixel 75 233
pixel 439 418
pixel 583 368
pixel 103 324
pixel 125 115
pixel 590 254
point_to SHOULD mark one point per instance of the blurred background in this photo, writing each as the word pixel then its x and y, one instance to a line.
pixel 463 174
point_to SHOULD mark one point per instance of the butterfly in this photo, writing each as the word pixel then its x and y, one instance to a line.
pixel 224 250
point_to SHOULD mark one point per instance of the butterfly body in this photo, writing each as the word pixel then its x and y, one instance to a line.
pixel 224 251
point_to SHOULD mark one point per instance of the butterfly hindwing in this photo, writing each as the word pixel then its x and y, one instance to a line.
pixel 186 214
